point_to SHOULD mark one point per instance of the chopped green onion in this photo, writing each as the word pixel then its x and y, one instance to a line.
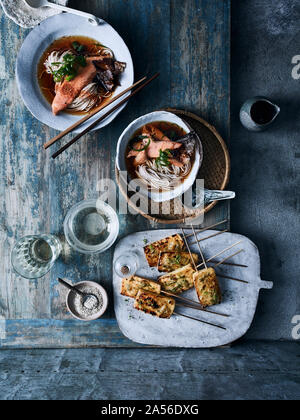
pixel 163 159
pixel 144 148
pixel 69 68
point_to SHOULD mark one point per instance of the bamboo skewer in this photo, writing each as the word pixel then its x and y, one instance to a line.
pixel 228 258
pixel 221 252
pixel 200 250
pixel 199 320
pixel 207 228
pixel 189 249
pixel 231 264
pixel 210 236
pixel 90 115
pixel 232 278
pixel 193 304
pixel 95 123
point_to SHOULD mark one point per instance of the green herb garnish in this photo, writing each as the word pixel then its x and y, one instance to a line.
pixel 69 68
pixel 163 159
pixel 144 148
pixel 78 47
pixel 178 259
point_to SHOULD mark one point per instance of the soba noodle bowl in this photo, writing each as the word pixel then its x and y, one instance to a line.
pixel 161 155
pixel 70 56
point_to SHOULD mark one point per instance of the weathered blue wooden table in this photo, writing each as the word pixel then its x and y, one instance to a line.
pixel 189 43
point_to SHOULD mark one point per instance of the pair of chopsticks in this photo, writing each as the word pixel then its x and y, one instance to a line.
pixel 103 117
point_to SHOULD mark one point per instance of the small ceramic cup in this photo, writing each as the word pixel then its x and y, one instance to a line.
pixel 70 300
pixel 258 113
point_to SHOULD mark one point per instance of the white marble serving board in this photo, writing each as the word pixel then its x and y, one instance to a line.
pixel 239 299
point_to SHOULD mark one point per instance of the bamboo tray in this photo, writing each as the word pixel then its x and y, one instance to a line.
pixel 215 171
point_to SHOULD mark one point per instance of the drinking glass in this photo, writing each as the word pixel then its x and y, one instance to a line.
pixel 127 264
pixel 33 256
pixel 91 227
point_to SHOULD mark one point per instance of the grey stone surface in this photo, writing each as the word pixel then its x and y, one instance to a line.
pixel 265 166
pixel 261 371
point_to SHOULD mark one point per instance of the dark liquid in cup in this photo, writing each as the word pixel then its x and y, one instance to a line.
pixel 263 112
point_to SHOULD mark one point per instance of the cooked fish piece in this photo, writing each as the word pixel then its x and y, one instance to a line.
pixel 131 286
pixel 172 243
pixel 67 91
pixel 154 304
pixel 207 287
pixel 178 281
pixel 106 69
pixel 171 261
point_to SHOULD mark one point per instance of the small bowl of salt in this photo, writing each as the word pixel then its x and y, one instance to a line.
pixel 91 304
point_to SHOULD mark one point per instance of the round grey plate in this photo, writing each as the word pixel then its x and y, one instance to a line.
pixel 38 41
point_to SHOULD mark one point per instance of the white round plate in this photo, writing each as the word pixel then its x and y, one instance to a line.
pixel 39 40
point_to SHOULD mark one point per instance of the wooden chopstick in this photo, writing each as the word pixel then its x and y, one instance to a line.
pixel 199 247
pixel 186 305
pixel 90 115
pixel 94 124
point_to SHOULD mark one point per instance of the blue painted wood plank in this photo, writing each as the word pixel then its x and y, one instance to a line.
pixel 38 192
pixel 54 333
pixel 254 370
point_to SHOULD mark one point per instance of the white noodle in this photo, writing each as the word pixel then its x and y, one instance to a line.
pixel 107 52
pixel 163 177
pixel 88 98
pixel 55 60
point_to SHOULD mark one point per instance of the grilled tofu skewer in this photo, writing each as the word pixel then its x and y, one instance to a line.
pixel 132 285
pixel 206 282
pixel 162 307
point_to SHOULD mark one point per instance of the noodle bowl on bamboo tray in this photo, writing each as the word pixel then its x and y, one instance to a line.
pixel 214 170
